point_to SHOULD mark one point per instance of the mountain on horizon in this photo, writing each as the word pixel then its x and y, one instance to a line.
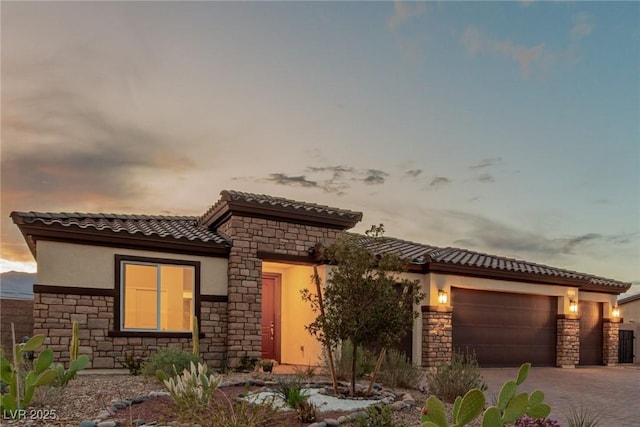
pixel 17 285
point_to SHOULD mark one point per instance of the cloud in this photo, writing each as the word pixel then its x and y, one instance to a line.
pixel 526 3
pixel 439 181
pixel 413 173
pixel 477 42
pixel 283 179
pixel 489 235
pixel 486 177
pixel 375 177
pixel 404 11
pixel 484 163
pixel 582 26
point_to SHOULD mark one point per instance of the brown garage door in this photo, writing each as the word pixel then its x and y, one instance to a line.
pixel 505 329
pixel 590 332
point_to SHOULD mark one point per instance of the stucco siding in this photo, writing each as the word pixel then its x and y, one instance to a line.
pixel 630 311
pixel 87 266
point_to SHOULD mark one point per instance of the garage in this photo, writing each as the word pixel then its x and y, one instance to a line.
pixel 505 329
pixel 590 332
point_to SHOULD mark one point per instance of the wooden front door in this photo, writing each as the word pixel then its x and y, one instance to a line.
pixel 271 316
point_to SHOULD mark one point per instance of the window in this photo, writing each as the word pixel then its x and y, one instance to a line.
pixel 157 295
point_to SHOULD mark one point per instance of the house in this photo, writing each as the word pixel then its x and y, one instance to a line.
pixel 134 283
pixel 629 329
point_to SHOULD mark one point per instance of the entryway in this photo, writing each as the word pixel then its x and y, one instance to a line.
pixel 271 325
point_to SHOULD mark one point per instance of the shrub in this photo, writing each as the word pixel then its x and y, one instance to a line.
pixel 233 414
pixel 377 416
pixel 193 389
pixel 582 417
pixel 398 371
pixel 170 361
pixel 133 362
pixel 290 391
pixel 448 381
pixel 365 361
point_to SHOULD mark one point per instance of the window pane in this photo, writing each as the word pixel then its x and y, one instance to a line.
pixel 140 296
pixel 176 307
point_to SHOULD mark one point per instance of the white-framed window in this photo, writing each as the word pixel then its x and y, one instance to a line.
pixel 157 295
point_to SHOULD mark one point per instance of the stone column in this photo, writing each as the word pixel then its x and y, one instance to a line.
pixel 437 341
pixel 568 344
pixel 610 332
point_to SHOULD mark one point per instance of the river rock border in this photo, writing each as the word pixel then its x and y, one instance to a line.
pixel 395 401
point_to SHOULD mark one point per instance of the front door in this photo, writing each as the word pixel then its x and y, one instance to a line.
pixel 271 316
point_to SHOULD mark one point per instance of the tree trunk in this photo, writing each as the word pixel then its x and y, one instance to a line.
pixel 353 369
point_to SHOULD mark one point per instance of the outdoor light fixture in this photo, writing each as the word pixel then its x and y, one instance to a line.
pixel 443 297
pixel 573 306
pixel 615 312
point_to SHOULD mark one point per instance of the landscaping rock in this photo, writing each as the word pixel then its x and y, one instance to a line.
pixel 87 423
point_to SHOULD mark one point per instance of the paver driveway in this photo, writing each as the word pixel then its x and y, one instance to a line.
pixel 614 392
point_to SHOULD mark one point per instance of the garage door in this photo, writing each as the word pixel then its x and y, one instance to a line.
pixel 590 332
pixel 505 329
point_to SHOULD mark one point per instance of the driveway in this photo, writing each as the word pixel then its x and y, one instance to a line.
pixel 613 392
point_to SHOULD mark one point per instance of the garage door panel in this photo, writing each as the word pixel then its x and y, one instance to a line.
pixel 505 329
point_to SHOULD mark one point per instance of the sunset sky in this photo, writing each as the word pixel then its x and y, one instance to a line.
pixel 511 128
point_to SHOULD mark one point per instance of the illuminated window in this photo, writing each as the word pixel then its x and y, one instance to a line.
pixel 156 296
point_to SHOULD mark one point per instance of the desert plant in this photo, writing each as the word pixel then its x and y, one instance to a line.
pixel 582 416
pixel 307 412
pixel 237 413
pixel 527 421
pixel 76 363
pixel 193 388
pixel 169 361
pixel 195 335
pixel 133 362
pixel 509 408
pixel 21 382
pixel 365 360
pixel 291 392
pixel 398 371
pixel 454 379
pixel 377 416
pixel 247 364
pixel 267 365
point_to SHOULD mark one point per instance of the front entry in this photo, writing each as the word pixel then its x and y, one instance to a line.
pixel 271 296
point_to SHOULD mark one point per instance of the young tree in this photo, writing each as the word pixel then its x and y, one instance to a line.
pixel 361 300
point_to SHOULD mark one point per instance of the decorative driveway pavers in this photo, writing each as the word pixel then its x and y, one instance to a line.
pixel 614 392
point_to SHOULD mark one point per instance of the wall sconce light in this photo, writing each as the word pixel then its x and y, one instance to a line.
pixel 573 306
pixel 615 312
pixel 443 298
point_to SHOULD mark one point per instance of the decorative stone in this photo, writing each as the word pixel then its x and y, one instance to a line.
pixel 331 422
pixel 107 423
pixel 87 423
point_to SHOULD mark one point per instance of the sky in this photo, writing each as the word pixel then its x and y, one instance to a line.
pixel 511 128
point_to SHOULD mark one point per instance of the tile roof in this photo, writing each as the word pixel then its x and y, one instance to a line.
pixel 175 227
pixel 628 299
pixel 278 206
pixel 419 254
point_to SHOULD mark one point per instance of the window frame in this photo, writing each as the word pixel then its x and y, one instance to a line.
pixel 118 303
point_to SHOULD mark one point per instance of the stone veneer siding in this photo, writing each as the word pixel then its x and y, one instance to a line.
pixel 610 331
pixel 437 341
pixel 248 236
pixel 568 343
pixel 54 314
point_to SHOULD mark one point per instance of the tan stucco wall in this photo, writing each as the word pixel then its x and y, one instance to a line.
pixel 609 301
pixel 630 311
pixel 87 266
pixel 416 355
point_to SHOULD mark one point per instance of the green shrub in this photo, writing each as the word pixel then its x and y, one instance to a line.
pixel 582 417
pixel 449 381
pixel 398 371
pixel 170 361
pixel 290 391
pixel 377 416
pixel 365 361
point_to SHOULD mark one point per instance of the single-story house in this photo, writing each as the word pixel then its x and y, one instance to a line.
pixel 629 329
pixel 134 283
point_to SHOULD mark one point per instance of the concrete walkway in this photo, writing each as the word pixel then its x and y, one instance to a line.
pixel 612 392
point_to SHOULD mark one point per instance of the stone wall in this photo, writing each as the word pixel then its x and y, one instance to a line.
pixel 437 342
pixel 250 235
pixel 53 315
pixel 568 344
pixel 610 332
